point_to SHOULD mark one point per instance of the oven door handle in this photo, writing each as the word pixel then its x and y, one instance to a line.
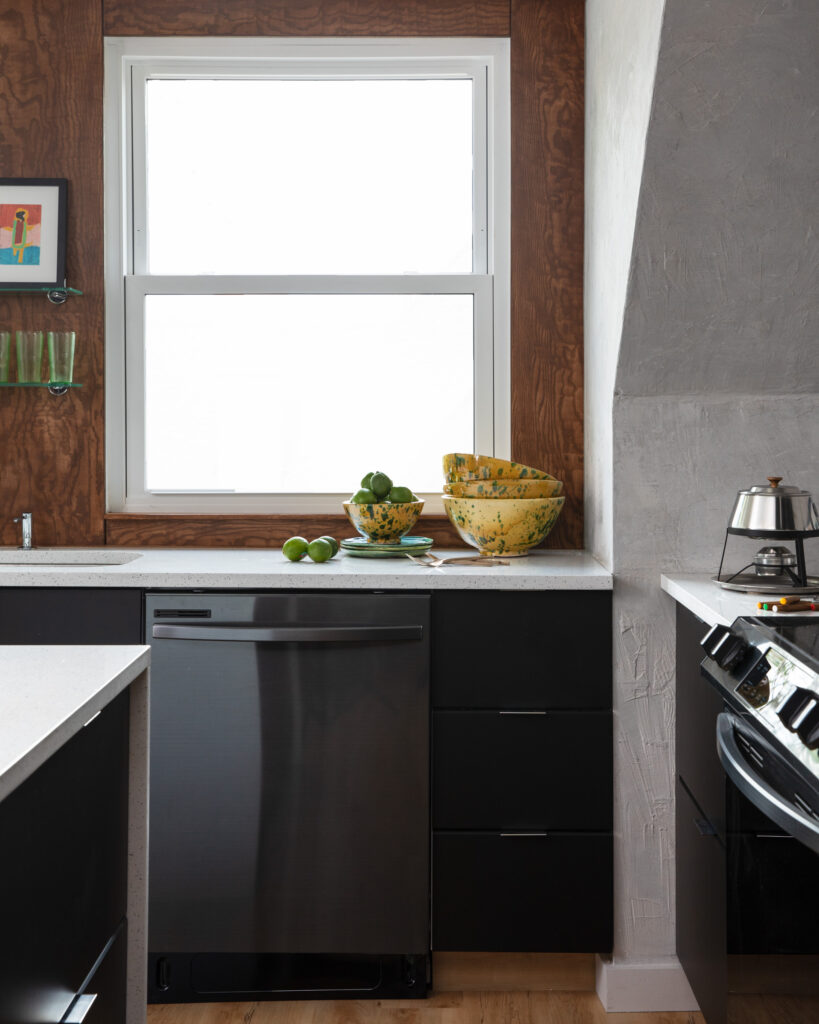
pixel 777 807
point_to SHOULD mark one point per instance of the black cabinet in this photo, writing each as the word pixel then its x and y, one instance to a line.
pixel 519 770
pixel 63 864
pixel 495 649
pixel 105 990
pixel 522 772
pixel 701 925
pixel 504 892
pixel 70 615
pixel 700 827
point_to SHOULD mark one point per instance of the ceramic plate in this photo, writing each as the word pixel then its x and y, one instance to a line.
pixel 362 548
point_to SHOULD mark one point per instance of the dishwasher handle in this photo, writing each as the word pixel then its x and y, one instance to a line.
pixel 289 634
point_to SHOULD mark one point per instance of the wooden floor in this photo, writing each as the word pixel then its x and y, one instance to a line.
pixel 447 1008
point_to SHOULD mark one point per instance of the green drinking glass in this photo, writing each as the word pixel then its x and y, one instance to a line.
pixel 29 357
pixel 5 355
pixel 61 356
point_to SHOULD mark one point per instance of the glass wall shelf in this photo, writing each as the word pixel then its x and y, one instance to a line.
pixel 56 295
pixel 56 387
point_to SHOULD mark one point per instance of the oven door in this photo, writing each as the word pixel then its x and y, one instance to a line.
pixel 772 857
pixel 764 778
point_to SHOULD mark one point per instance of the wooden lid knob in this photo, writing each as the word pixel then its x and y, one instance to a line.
pixel 774 481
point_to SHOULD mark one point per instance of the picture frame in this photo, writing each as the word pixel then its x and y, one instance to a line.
pixel 33 219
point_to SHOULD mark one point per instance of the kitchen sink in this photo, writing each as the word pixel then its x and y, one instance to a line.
pixel 66 556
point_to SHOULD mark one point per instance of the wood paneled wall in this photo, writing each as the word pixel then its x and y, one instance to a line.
pixel 547 248
pixel 307 18
pixel 51 126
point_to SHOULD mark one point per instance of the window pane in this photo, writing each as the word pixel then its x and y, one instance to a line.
pixel 305 393
pixel 309 177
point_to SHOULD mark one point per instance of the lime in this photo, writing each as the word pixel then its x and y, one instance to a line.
pixel 400 494
pixel 320 550
pixel 332 542
pixel 364 497
pixel 365 480
pixel 380 485
pixel 295 549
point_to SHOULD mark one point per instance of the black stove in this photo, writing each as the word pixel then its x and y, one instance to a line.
pixel 767 670
pixel 748 823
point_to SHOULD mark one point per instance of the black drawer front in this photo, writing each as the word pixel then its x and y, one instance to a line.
pixel 493 893
pixel 530 650
pixel 701 896
pixel 45 615
pixel 63 862
pixel 108 985
pixel 697 707
pixel 501 771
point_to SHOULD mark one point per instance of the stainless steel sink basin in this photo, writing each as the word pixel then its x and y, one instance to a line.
pixel 66 556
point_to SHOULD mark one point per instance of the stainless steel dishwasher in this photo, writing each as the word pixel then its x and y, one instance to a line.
pixel 289 817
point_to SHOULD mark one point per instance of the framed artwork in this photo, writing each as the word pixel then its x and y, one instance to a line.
pixel 32 232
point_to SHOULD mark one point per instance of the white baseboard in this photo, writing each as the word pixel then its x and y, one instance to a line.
pixel 643 987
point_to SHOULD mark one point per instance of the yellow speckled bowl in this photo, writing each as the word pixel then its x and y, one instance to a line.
pixel 505 488
pixel 384 522
pixel 459 467
pixel 503 527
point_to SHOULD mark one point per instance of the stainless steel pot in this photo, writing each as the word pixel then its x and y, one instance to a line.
pixel 774 509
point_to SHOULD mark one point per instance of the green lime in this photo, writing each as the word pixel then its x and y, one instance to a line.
pixel 320 550
pixel 365 480
pixel 364 497
pixel 331 541
pixel 400 494
pixel 295 549
pixel 380 485
pixel 414 497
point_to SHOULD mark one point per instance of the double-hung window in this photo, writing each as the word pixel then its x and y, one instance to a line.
pixel 307 267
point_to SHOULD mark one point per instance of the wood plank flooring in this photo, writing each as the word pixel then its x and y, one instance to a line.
pixel 447 1008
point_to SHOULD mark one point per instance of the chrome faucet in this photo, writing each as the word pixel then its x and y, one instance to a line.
pixel 25 518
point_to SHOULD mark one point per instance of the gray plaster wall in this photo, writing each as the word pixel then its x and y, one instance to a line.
pixel 717 382
pixel 622 41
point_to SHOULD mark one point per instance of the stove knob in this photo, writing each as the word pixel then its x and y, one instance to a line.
pixel 725 647
pixel 808 729
pixel 797 708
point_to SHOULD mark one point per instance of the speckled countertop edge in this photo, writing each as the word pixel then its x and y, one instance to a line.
pixel 200 568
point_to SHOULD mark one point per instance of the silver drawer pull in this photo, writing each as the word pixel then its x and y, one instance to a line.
pixel 524 835
pixel 79 1011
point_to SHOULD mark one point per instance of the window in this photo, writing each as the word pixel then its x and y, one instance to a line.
pixel 307 267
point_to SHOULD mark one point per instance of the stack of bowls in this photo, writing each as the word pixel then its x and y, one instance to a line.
pixel 498 506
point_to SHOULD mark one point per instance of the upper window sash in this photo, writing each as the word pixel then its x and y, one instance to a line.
pixel 140 72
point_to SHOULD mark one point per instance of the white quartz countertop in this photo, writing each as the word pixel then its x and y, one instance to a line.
pixel 47 694
pixel 247 568
pixel 709 602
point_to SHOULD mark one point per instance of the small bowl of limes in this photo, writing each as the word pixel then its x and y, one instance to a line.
pixel 382 511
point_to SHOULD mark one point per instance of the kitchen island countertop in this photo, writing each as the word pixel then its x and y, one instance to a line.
pixel 48 693
pixel 249 568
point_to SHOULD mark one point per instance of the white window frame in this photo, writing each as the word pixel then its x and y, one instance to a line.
pixel 129 63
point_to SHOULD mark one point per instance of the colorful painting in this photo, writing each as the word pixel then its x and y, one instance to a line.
pixel 32 233
pixel 20 233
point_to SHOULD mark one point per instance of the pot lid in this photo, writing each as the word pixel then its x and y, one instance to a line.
pixel 776 488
